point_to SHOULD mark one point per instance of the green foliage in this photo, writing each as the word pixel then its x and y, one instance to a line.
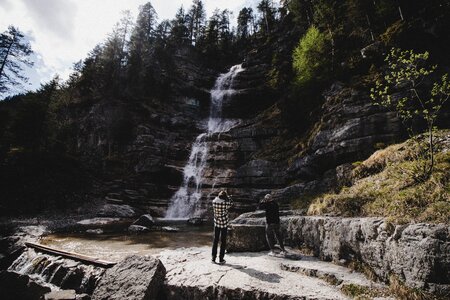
pixel 14 53
pixel 402 90
pixel 310 57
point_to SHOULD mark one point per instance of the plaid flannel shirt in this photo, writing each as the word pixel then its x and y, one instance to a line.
pixel 220 208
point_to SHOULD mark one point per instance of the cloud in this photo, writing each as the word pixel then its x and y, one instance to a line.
pixel 6 4
pixel 55 16
pixel 62 32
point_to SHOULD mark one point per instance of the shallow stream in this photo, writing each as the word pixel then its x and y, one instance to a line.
pixel 115 246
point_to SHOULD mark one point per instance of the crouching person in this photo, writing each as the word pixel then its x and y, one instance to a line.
pixel 221 204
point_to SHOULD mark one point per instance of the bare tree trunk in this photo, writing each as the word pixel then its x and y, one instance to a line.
pixel 370 27
pixel 401 13
pixel 431 149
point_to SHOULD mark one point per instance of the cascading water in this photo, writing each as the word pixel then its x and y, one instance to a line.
pixel 56 272
pixel 185 201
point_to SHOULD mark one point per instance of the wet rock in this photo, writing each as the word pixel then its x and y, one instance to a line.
pixel 169 229
pixel 95 231
pixel 134 278
pixel 196 221
pixel 138 229
pixel 14 286
pixel 95 223
pixel 145 220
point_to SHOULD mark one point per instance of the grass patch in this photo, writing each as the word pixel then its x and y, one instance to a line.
pixel 363 268
pixel 303 201
pixel 402 292
pixel 360 292
pixel 387 185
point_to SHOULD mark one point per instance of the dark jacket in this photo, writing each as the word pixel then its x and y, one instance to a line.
pixel 272 212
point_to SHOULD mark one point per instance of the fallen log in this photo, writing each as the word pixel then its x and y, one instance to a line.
pixel 75 256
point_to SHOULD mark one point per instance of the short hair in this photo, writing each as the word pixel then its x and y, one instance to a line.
pixel 223 195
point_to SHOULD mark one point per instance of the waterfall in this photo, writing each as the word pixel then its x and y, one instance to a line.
pixel 56 272
pixel 185 201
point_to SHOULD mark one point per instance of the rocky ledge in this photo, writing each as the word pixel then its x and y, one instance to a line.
pixel 191 275
pixel 418 254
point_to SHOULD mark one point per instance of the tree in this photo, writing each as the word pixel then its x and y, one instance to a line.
pixel 144 31
pixel 244 23
pixel 114 55
pixel 267 20
pixel 309 59
pixel 179 32
pixel 196 20
pixel 14 53
pixel 142 43
pixel 210 43
pixel 403 89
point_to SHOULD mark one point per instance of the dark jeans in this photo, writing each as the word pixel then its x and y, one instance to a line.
pixel 222 234
pixel 271 231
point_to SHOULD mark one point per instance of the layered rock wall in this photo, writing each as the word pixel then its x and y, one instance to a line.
pixel 419 254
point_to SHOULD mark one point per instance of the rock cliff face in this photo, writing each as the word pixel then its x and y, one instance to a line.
pixel 418 253
pixel 143 146
pixel 260 155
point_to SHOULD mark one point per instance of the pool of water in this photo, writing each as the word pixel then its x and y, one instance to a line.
pixel 115 246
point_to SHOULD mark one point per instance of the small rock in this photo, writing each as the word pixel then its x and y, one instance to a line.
pixel 145 220
pixel 61 295
pixel 138 229
pixel 95 231
pixel 169 229
pixel 195 221
pixel 98 221
pixel 83 297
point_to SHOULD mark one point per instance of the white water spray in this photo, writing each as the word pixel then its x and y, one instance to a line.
pixel 186 200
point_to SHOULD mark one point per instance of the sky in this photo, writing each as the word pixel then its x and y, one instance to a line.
pixel 62 32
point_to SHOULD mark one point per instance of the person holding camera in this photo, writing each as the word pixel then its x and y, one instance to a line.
pixel 272 223
pixel 221 204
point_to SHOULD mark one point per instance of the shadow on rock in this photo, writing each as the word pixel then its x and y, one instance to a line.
pixel 263 276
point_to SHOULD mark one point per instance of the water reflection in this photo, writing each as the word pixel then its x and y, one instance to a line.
pixel 115 246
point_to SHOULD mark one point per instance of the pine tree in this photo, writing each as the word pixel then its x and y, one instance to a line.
pixel 196 20
pixel 14 53
pixel 244 23
pixel 179 33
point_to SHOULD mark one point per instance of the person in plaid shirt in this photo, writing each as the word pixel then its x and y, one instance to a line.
pixel 221 204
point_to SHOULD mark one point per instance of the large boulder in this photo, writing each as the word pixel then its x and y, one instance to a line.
pixel 134 278
pixel 245 237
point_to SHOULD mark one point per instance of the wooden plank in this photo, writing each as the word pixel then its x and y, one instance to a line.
pixel 75 256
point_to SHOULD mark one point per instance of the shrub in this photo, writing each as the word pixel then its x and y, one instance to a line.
pixel 309 58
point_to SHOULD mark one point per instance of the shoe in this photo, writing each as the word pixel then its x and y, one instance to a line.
pixel 213 260
pixel 271 253
pixel 222 261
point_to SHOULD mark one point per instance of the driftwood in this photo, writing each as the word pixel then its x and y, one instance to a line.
pixel 75 256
